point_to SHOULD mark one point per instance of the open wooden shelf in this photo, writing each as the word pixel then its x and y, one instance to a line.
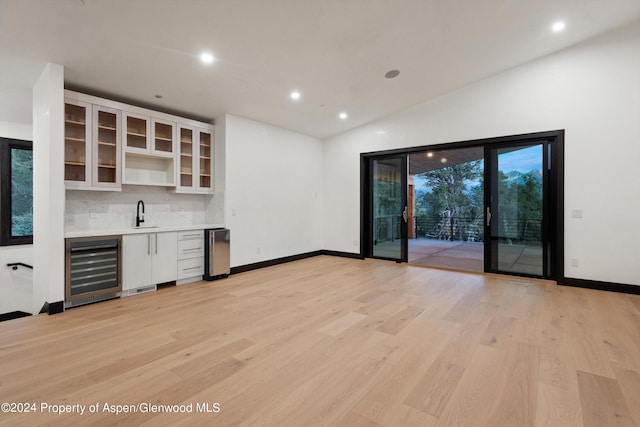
pixel 110 144
pixel 74 122
pixel 75 164
pixel 68 138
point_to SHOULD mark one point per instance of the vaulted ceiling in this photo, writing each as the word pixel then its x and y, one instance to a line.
pixel 334 52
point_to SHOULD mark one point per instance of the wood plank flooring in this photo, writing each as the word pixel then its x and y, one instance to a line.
pixel 330 341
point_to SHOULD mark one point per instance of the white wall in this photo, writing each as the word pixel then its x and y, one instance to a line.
pixel 48 187
pixel 592 91
pixel 274 191
pixel 16 286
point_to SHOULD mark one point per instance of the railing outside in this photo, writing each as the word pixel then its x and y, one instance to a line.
pixel 465 229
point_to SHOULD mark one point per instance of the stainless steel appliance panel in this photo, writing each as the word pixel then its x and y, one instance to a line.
pixel 217 253
pixel 93 267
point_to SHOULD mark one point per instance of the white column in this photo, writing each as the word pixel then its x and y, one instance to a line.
pixel 48 187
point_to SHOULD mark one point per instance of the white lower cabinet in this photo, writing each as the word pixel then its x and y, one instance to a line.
pixel 148 259
pixel 190 256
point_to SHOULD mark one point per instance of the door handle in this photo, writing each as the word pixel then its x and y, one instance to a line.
pixel 405 215
pixel 148 244
pixel 156 244
pixel 488 216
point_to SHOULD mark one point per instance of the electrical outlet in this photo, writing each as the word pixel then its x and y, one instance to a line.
pixel 576 213
pixel 181 211
pixel 574 262
pixel 233 212
pixel 93 214
pixel 355 243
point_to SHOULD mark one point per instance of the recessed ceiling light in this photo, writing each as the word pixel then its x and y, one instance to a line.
pixel 206 57
pixel 343 116
pixel 295 95
pixel 558 26
pixel 391 74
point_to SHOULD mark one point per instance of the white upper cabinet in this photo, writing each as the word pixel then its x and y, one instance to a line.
pixel 148 135
pixel 108 144
pixel 107 152
pixel 205 156
pixel 77 144
pixel 194 160
pixel 136 132
pixel 163 138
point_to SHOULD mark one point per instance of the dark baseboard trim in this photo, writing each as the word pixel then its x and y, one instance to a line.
pixel 13 315
pixel 342 254
pixel 272 262
pixel 56 307
pixel 601 286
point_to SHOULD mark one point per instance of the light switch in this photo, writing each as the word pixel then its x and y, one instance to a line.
pixel 576 213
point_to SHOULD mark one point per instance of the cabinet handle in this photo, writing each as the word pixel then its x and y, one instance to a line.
pixel 156 244
pixel 191 235
pixel 192 268
pixel 148 244
pixel 191 249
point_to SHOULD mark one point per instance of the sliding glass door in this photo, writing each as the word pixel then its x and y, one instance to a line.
pixel 389 208
pixel 519 226
pixel 516 203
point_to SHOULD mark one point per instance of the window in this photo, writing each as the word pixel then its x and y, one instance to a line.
pixel 16 192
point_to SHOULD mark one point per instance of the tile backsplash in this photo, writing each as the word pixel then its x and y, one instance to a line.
pixel 99 210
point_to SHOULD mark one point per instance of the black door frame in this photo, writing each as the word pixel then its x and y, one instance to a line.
pixel 368 229
pixel 555 226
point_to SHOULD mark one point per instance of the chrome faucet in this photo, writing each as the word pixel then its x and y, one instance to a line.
pixel 139 218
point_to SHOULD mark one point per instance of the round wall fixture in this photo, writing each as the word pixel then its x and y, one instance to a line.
pixel 391 74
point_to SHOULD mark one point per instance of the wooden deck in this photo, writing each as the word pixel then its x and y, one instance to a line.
pixel 335 342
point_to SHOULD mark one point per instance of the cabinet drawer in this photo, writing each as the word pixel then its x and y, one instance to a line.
pixel 190 249
pixel 190 268
pixel 191 234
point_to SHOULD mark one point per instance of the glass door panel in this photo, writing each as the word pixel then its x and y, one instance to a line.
pixel 137 132
pixel 205 159
pixel 107 147
pixel 186 157
pixel 389 208
pixel 163 137
pixel 77 135
pixel 515 217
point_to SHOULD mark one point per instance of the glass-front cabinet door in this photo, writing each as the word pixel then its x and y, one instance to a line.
pixel 137 132
pixel 106 147
pixel 77 144
pixel 187 149
pixel 163 137
pixel 205 155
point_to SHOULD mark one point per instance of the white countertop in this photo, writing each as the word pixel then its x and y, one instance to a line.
pixel 134 230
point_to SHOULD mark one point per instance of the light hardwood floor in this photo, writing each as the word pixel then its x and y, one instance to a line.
pixel 340 342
